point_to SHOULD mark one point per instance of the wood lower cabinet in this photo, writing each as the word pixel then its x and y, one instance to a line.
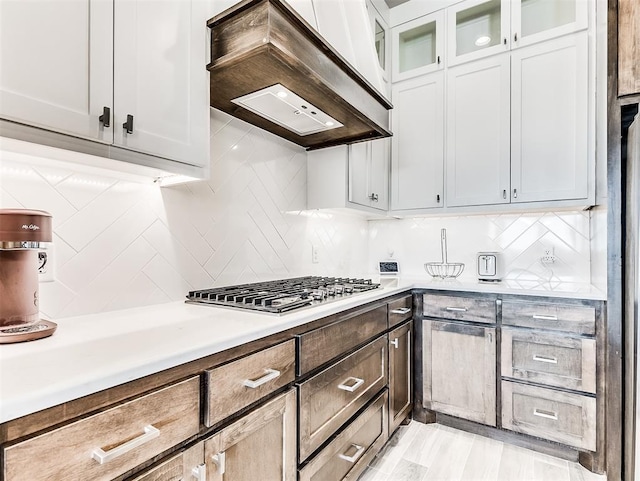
pixel 565 417
pixel 459 365
pixel 331 397
pixel 400 374
pixel 108 444
pixel 348 454
pixel 185 466
pixel 261 445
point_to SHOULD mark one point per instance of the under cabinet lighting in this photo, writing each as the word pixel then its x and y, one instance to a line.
pixel 176 179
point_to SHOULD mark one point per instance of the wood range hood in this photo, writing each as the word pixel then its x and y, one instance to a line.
pixel 270 68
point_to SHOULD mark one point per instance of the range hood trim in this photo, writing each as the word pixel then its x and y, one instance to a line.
pixel 268 36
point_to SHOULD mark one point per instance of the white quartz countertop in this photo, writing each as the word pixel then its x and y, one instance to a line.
pixel 91 353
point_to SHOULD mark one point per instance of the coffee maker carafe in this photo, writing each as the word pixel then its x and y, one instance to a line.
pixel 22 233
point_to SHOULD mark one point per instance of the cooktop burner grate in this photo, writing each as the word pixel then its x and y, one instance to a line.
pixel 283 295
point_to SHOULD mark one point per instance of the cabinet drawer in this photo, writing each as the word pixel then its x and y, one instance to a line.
pixel 400 310
pixel 240 383
pixel 558 416
pixel 177 467
pixel 549 359
pixel 557 317
pixel 349 453
pixel 460 308
pixel 331 397
pixel 107 444
pixel 321 345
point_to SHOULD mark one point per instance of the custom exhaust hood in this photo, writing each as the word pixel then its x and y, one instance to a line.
pixel 271 69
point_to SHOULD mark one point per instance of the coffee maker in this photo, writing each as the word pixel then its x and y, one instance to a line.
pixel 22 233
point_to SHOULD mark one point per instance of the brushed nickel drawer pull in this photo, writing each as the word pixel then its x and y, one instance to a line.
pixel 550 360
pixel 356 455
pixel 200 472
pixel 545 318
pixel 102 457
pixel 270 375
pixel 457 309
pixel 394 343
pixel 545 414
pixel 220 460
pixel 401 310
pixel 358 382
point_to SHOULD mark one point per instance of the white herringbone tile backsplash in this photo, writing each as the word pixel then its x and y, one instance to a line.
pixel 121 243
pixel 520 238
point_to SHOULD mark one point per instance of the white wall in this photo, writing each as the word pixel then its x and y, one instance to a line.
pixel 120 243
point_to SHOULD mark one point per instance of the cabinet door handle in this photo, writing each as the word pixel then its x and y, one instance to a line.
pixel 504 40
pixel 358 382
pixel 438 198
pixel 515 37
pixel 550 360
pixel 456 309
pixel 401 310
pixel 270 375
pixel 200 472
pixel 545 414
pixel 394 343
pixel 504 193
pixel 438 59
pixel 373 197
pixel 128 125
pixel 545 318
pixel 150 433
pixel 105 118
pixel 220 460
pixel 356 455
pixel 515 193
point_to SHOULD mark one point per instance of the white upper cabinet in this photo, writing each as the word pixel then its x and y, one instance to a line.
pixel 56 65
pixel 478 28
pixel 382 44
pixel 537 20
pixel 369 174
pixel 88 67
pixel 160 79
pixel 550 127
pixel 418 46
pixel 418 143
pixel 478 132
pixel 352 176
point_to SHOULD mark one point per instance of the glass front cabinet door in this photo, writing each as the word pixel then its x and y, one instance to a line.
pixel 479 28
pixel 537 20
pixel 418 47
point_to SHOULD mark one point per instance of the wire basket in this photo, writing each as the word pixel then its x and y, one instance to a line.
pixel 444 269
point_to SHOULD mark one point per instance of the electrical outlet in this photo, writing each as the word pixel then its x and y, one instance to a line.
pixel 548 257
pixel 314 254
pixel 45 265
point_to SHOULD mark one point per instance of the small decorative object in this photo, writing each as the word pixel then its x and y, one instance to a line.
pixel 444 269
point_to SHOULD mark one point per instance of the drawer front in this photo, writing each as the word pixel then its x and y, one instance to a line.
pixel 319 346
pixel 350 452
pixel 558 416
pixel 400 310
pixel 177 467
pixel 549 359
pixel 557 317
pixel 240 383
pixel 331 397
pixel 112 442
pixel 459 308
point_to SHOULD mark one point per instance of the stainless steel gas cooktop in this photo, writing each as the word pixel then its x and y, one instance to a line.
pixel 281 296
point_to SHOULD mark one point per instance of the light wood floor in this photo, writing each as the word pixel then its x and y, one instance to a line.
pixel 423 452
